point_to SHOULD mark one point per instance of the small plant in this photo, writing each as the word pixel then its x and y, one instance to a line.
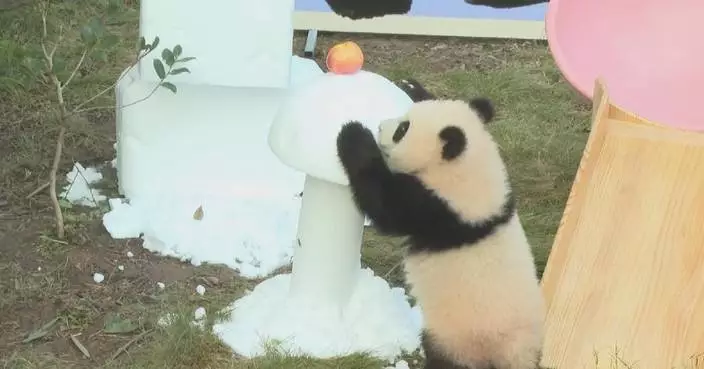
pixel 95 38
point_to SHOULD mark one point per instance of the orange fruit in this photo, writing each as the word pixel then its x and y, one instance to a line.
pixel 345 58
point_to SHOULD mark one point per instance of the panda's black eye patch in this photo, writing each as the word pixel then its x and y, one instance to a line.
pixel 401 130
pixel 455 142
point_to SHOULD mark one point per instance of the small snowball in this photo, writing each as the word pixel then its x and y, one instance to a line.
pixel 200 290
pixel 39 269
pixel 97 277
pixel 401 364
pixel 160 285
pixel 200 313
pixel 130 254
pixel 121 268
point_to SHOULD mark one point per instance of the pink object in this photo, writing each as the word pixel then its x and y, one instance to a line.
pixel 650 54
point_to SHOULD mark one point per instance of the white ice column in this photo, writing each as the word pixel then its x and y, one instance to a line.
pixel 326 260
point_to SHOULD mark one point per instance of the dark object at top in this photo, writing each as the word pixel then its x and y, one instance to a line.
pixel 505 3
pixel 360 9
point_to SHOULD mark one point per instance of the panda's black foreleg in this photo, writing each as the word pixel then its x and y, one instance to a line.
pixel 374 186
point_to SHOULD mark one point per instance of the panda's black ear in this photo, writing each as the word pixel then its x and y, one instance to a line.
pixel 455 142
pixel 414 90
pixel 484 108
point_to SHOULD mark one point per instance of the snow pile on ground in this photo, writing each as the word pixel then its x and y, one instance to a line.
pixel 378 320
pixel 78 190
pixel 203 230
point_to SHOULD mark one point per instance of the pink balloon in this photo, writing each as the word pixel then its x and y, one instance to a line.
pixel 650 53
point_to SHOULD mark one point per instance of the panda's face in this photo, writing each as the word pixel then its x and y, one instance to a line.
pixel 433 132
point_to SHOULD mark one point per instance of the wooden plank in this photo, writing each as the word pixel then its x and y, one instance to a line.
pixel 626 270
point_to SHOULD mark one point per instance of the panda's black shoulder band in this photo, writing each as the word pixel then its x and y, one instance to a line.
pixel 450 232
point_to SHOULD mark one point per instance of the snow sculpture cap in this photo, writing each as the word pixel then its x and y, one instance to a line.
pixel 304 132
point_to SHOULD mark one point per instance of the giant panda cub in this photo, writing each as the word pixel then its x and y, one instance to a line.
pixel 437 177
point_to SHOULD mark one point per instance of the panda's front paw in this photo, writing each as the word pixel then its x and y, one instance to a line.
pixel 414 90
pixel 356 147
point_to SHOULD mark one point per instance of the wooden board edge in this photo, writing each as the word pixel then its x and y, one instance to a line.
pixel 558 253
pixel 421 26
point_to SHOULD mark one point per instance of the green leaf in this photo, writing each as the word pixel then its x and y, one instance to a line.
pixel 169 86
pixel 41 332
pixel 179 71
pixel 159 68
pixel 142 43
pixel 177 51
pixel 168 57
pixel 155 43
pixel 88 36
pixel 115 324
pixel 97 26
pixel 186 59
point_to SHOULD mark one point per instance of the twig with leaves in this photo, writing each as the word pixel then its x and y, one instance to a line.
pixel 94 34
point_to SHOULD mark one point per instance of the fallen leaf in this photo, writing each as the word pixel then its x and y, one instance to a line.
pixel 211 281
pixel 198 214
pixel 115 324
pixel 80 346
pixel 41 332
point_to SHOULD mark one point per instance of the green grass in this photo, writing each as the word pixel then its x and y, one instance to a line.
pixel 541 128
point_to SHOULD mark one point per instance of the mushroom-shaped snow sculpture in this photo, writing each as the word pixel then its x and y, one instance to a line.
pixel 328 305
pixel 303 136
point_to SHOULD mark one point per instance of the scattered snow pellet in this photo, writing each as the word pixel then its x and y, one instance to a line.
pixel 401 364
pixel 121 268
pixel 130 254
pixel 200 290
pixel 160 285
pixel 200 313
pixel 97 277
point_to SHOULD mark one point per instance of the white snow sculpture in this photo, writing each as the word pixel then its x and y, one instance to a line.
pixel 205 147
pixel 328 305
pixel 303 136
pixel 238 43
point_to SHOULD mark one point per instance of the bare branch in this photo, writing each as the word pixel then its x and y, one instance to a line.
pixel 38 190
pixel 75 70
pixel 60 233
pixel 58 41
pixel 107 107
pixel 78 109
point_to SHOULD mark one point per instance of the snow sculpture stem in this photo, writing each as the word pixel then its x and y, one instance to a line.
pixel 326 260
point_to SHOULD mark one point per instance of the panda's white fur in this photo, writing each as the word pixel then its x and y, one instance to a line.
pixel 442 182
